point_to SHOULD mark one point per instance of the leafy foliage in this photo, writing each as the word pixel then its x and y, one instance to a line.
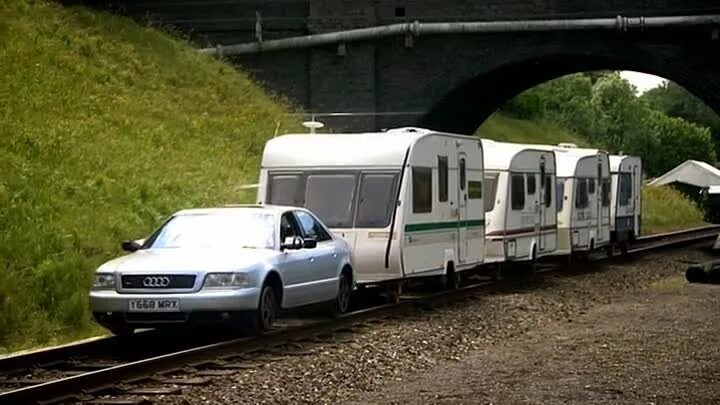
pixel 675 101
pixel 106 128
pixel 604 107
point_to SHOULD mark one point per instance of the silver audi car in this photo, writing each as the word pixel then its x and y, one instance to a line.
pixel 238 264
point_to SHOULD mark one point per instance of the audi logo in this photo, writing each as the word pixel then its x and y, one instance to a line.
pixel 156 281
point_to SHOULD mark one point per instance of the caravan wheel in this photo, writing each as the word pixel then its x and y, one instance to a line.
pixel 451 278
pixel 393 291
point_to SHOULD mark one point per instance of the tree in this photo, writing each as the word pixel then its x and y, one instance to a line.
pixel 675 101
pixel 617 111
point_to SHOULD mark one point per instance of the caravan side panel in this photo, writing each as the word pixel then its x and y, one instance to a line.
pixel 443 215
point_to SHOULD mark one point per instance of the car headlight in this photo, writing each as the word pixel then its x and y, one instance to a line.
pixel 103 281
pixel 223 280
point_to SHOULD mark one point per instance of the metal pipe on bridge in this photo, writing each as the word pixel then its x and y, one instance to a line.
pixel 416 29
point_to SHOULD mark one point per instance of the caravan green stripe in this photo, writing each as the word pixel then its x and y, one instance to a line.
pixel 435 226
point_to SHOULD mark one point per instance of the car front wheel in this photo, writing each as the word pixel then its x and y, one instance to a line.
pixel 264 317
pixel 342 302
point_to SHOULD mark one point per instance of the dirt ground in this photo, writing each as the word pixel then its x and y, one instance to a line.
pixel 633 332
pixel 660 345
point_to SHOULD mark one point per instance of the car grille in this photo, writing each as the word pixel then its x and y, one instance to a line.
pixel 158 281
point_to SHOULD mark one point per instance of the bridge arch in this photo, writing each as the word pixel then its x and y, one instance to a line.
pixel 475 95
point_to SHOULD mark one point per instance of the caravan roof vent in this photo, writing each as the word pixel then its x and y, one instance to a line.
pixel 567 145
pixel 313 125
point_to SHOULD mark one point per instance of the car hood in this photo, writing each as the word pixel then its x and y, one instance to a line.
pixel 189 260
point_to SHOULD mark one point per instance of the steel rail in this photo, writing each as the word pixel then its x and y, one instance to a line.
pixel 92 382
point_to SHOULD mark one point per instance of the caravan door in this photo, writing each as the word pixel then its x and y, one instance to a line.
pixel 462 215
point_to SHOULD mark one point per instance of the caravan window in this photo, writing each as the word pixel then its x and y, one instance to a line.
pixel 377 200
pixel 560 194
pixel 491 181
pixel 548 191
pixel 605 192
pixel 475 190
pixel 624 189
pixel 581 193
pixel 331 197
pixel 462 174
pixel 283 189
pixel 517 192
pixel 443 178
pixel 531 184
pixel 591 186
pixel 422 189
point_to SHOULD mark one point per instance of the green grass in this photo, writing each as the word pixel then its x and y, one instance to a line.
pixel 665 209
pixel 106 128
pixel 501 127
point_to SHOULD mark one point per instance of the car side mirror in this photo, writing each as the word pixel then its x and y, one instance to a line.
pixel 132 245
pixel 309 243
pixel 292 243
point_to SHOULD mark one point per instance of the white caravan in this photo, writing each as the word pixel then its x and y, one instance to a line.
pixel 408 201
pixel 583 191
pixel 520 211
pixel 625 208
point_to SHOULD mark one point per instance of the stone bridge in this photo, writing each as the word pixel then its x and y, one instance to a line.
pixel 434 76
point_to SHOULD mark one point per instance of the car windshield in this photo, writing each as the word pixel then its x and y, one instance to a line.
pixel 218 230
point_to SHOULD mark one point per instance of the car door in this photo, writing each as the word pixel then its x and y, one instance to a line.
pixel 324 257
pixel 294 265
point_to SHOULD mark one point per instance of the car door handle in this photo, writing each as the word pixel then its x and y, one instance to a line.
pixel 334 253
pixel 312 259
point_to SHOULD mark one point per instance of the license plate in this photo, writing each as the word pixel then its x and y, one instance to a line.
pixel 154 305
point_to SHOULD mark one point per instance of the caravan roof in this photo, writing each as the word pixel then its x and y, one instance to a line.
pixel 567 158
pixel 616 160
pixel 318 150
pixel 370 149
pixel 500 155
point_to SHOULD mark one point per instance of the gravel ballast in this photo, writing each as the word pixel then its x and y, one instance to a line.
pixel 592 333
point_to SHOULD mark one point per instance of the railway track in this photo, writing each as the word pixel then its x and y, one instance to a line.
pixel 112 370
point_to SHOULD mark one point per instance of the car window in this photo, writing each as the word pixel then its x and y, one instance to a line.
pixel 231 228
pixel 311 228
pixel 331 197
pixel 377 200
pixel 288 227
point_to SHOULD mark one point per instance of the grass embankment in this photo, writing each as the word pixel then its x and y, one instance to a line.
pixel 105 128
pixel 501 127
pixel 664 209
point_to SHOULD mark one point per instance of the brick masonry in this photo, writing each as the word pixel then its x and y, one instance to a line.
pixel 448 83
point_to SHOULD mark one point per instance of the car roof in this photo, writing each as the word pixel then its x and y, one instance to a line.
pixel 271 209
